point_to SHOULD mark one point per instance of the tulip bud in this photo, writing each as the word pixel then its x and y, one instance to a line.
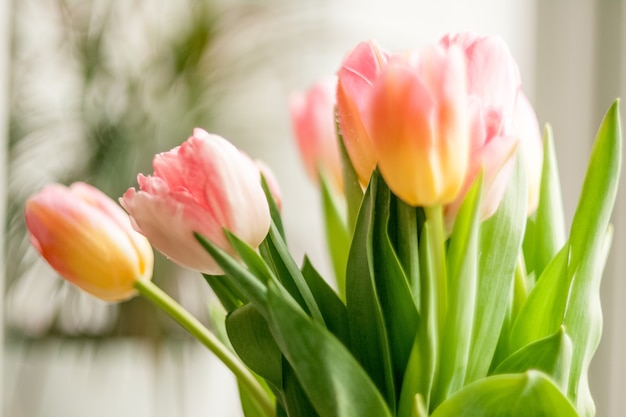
pixel 205 185
pixel 417 122
pixel 313 120
pixel 88 240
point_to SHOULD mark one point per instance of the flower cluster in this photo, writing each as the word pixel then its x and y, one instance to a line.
pixel 457 291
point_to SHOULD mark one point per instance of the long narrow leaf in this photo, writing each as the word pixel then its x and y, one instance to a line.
pixel 337 236
pixel 589 246
pixel 250 336
pixel 551 355
pixel 547 234
pixel 462 275
pixel 336 384
pixel 368 335
pixel 500 242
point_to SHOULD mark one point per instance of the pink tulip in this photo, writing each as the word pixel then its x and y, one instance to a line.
pixel 313 120
pixel 494 89
pixel 88 240
pixel 204 186
pixel 358 73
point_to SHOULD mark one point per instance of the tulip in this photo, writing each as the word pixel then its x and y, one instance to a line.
pixel 88 240
pixel 205 185
pixel 313 120
pixel 501 119
pixel 416 117
pixel 359 71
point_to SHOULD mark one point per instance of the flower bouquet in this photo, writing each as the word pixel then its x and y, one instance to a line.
pixel 456 290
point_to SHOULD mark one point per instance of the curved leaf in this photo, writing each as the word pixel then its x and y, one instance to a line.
pixel 333 380
pixel 531 394
pixel 250 336
pixel 500 242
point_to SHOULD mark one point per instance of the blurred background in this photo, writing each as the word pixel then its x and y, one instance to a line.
pixel 91 89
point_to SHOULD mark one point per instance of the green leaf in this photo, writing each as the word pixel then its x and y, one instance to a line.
pixel 589 245
pixel 229 295
pixel 422 365
pixel 500 242
pixel 534 321
pixel 251 258
pixel 335 383
pixel 337 236
pixel 274 211
pixel 531 394
pixel 289 274
pixel 250 336
pixel 368 335
pixel 296 401
pixel 552 355
pixel 462 269
pixel 238 276
pixel 409 221
pixel 332 308
pixel 392 287
pixel 546 235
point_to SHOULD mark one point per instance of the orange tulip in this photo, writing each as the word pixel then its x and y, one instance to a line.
pixel 418 124
pixel 88 240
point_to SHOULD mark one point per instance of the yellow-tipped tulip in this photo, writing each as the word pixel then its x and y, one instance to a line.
pixel 418 124
pixel 88 239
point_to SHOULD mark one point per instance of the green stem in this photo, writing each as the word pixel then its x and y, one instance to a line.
pixel 166 303
pixel 434 215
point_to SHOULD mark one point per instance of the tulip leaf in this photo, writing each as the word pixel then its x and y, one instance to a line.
pixel 334 381
pixel 288 273
pixel 296 401
pixel 462 269
pixel 409 221
pixel 238 276
pixel 250 336
pixel 368 334
pixel 590 242
pixel 422 364
pixel 551 355
pixel 250 257
pixel 332 308
pixel 530 394
pixel 274 210
pixel 534 321
pixel 337 236
pixel 392 286
pixel 500 241
pixel 229 295
pixel 546 228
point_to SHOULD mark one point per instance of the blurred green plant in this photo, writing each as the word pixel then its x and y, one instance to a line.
pixel 98 88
